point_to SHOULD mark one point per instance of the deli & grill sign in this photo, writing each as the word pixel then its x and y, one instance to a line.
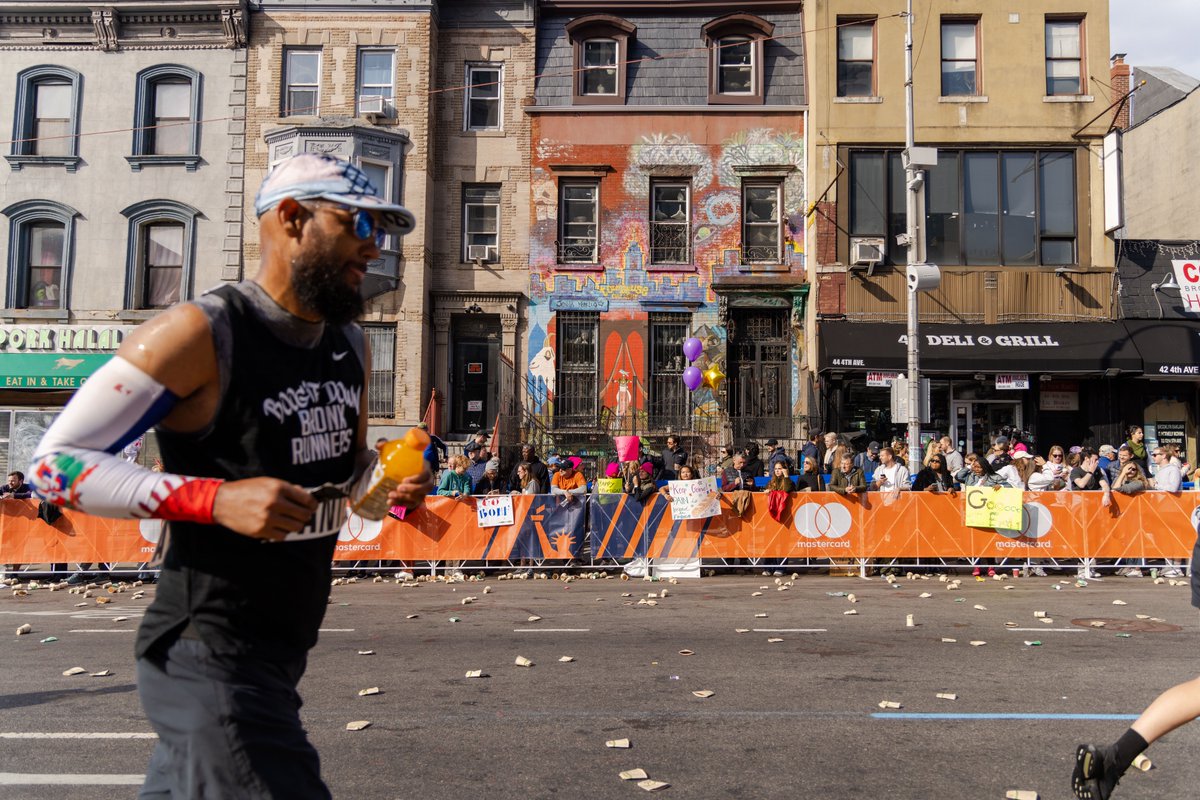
pixel 1187 274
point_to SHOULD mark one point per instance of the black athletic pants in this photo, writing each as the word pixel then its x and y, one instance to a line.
pixel 228 727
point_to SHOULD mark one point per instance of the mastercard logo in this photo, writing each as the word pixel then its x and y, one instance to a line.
pixel 357 529
pixel 1036 522
pixel 151 530
pixel 829 520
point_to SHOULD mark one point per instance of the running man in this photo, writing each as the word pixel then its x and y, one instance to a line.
pixel 258 394
pixel 1098 768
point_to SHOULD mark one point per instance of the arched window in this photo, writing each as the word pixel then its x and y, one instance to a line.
pixel 40 246
pixel 159 254
pixel 601 46
pixel 46 117
pixel 166 117
pixel 735 64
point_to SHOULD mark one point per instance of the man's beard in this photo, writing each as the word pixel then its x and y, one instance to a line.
pixel 319 282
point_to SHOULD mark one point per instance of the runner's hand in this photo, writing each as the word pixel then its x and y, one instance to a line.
pixel 411 491
pixel 263 508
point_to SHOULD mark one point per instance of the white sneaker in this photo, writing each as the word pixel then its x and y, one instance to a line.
pixel 1171 573
pixel 1131 572
pixel 1038 571
pixel 767 573
pixel 777 573
pixel 1088 574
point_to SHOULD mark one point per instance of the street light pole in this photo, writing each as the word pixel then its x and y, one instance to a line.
pixel 913 184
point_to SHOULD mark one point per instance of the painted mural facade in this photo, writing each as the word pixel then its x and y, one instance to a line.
pixel 716 157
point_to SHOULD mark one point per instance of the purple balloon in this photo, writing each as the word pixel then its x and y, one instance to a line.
pixel 693 348
pixel 693 378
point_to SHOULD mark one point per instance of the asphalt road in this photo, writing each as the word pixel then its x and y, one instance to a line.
pixel 794 718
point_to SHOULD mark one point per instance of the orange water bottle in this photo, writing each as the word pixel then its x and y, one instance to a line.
pixel 399 459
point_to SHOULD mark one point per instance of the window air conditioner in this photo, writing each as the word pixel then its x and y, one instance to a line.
pixel 866 251
pixel 370 105
pixel 480 252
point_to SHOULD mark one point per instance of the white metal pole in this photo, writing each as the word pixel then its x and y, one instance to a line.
pixel 911 188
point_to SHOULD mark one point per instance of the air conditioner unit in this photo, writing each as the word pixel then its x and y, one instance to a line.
pixel 480 252
pixel 371 105
pixel 866 251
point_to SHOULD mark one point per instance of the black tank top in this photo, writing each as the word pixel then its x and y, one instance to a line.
pixel 290 413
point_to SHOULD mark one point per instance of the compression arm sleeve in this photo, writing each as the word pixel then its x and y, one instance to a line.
pixel 76 464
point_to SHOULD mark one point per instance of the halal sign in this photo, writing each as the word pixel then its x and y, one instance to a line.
pixel 1187 274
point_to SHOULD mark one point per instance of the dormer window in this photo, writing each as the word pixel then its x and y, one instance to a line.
pixel 735 44
pixel 601 47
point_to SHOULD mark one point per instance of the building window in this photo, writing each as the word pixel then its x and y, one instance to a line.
pixel 670 217
pixel 40 254
pixel 960 57
pixel 1064 57
pixel 987 208
pixel 376 70
pixel 481 223
pixel 856 59
pixel 379 174
pixel 761 223
pixel 160 254
pixel 381 386
pixel 484 93
pixel 579 215
pixel 600 43
pixel 301 82
pixel 669 398
pixel 46 118
pixel 736 64
pixel 166 118
pixel 576 398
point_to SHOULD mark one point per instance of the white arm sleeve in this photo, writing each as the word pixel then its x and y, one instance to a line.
pixel 77 465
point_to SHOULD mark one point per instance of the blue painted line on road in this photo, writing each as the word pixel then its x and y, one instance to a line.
pixel 906 715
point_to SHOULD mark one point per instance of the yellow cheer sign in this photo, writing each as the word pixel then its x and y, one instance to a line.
pixel 987 507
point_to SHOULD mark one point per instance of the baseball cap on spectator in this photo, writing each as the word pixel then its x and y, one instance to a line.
pixel 772 442
pixel 1019 454
pixel 472 446
pixel 315 176
pixel 1108 450
pixel 1020 447
pixel 873 447
pixel 492 466
pixel 1078 449
pixel 554 461
pixel 572 461
pixel 1001 440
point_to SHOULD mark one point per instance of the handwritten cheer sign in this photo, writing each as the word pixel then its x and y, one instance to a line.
pixel 493 511
pixel 694 499
pixel 987 507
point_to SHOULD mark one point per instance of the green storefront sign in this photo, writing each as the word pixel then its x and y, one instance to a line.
pixel 48 370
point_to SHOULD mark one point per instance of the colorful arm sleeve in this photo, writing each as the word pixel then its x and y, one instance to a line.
pixel 77 463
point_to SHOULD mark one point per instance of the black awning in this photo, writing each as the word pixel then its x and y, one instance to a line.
pixel 1059 348
pixel 1169 348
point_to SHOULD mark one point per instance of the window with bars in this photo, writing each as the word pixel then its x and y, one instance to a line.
pixel 578 215
pixel 669 398
pixel 762 230
pixel 381 385
pixel 670 223
pixel 576 400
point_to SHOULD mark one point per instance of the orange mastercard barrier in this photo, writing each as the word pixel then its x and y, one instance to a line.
pixel 1056 525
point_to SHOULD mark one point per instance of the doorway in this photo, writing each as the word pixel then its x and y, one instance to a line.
pixel 474 373
pixel 759 372
pixel 977 422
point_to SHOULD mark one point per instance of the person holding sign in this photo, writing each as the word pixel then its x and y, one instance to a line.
pixel 980 472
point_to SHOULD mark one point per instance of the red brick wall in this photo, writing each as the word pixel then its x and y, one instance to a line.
pixel 1119 73
pixel 831 294
pixel 826 233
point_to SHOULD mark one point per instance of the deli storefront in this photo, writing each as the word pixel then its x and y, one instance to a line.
pixel 41 367
pixel 1058 383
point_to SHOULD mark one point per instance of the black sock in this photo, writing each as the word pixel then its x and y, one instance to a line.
pixel 1127 748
